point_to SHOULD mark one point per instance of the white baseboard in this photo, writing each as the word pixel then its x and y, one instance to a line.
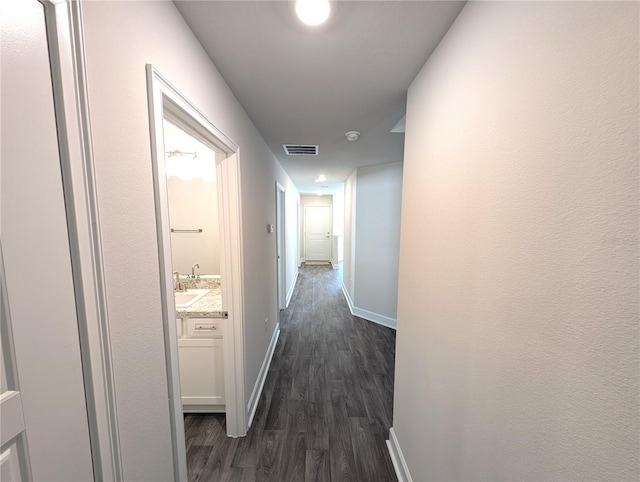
pixel 293 286
pixel 347 297
pixel 399 464
pixel 262 376
pixel 334 265
pixel 368 315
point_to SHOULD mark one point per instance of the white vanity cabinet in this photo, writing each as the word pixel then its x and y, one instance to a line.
pixel 200 349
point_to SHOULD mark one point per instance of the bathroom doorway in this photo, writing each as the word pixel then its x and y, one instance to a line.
pixel 216 338
pixel 192 198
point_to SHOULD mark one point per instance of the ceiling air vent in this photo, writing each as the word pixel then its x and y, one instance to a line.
pixel 300 150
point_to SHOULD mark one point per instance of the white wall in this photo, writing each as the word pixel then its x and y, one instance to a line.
pixel 378 201
pixel 338 226
pixel 338 213
pixel 348 268
pixel 121 37
pixel 292 240
pixel 310 200
pixel 372 219
pixel 193 204
pixel 517 342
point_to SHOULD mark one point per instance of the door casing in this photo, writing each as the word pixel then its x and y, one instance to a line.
pixel 166 101
pixel 65 39
pixel 280 246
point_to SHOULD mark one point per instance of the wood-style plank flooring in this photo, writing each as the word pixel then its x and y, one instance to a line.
pixel 326 407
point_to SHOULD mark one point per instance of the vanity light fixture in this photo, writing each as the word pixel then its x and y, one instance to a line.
pixel 188 168
pixel 313 12
pixel 179 153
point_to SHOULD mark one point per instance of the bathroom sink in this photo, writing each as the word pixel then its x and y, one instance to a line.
pixel 189 297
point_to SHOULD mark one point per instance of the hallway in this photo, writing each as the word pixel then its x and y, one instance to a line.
pixel 326 406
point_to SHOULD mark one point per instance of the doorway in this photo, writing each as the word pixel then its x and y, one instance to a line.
pixel 166 103
pixel 280 247
pixel 317 233
pixel 195 253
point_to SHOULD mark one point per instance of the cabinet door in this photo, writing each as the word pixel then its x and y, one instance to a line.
pixel 201 374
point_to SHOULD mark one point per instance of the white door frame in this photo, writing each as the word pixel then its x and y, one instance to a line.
pixel 281 261
pixel 65 37
pixel 165 99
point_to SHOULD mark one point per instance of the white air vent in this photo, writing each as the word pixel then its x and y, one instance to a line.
pixel 300 150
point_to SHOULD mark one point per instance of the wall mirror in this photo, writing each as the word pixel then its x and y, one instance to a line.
pixel 193 202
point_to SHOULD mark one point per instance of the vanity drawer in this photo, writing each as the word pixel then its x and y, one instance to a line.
pixel 204 328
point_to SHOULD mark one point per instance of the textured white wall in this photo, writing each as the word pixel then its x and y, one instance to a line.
pixel 377 240
pixel 517 343
pixel 121 37
pixel 292 200
pixel 338 224
pixel 193 204
pixel 372 203
pixel 348 266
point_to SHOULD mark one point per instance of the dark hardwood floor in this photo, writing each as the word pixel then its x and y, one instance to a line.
pixel 326 407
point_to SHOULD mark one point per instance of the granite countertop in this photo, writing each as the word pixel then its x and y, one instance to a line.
pixel 209 306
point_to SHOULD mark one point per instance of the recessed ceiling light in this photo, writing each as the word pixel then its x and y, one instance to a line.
pixel 352 136
pixel 321 178
pixel 313 12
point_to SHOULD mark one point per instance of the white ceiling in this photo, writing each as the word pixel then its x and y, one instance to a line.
pixel 310 85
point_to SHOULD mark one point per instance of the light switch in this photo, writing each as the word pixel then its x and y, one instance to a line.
pixel 269 228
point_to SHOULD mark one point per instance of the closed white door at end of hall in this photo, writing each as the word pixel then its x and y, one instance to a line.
pixel 317 224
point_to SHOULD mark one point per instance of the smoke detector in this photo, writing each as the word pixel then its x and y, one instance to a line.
pixel 352 136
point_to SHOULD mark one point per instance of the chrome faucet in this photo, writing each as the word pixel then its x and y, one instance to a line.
pixel 177 285
pixel 193 270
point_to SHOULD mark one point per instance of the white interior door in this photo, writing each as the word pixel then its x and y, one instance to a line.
pixel 317 229
pixel 40 294
pixel 14 454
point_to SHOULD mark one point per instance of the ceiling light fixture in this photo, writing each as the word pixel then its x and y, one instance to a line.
pixel 352 136
pixel 313 12
pixel 321 178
